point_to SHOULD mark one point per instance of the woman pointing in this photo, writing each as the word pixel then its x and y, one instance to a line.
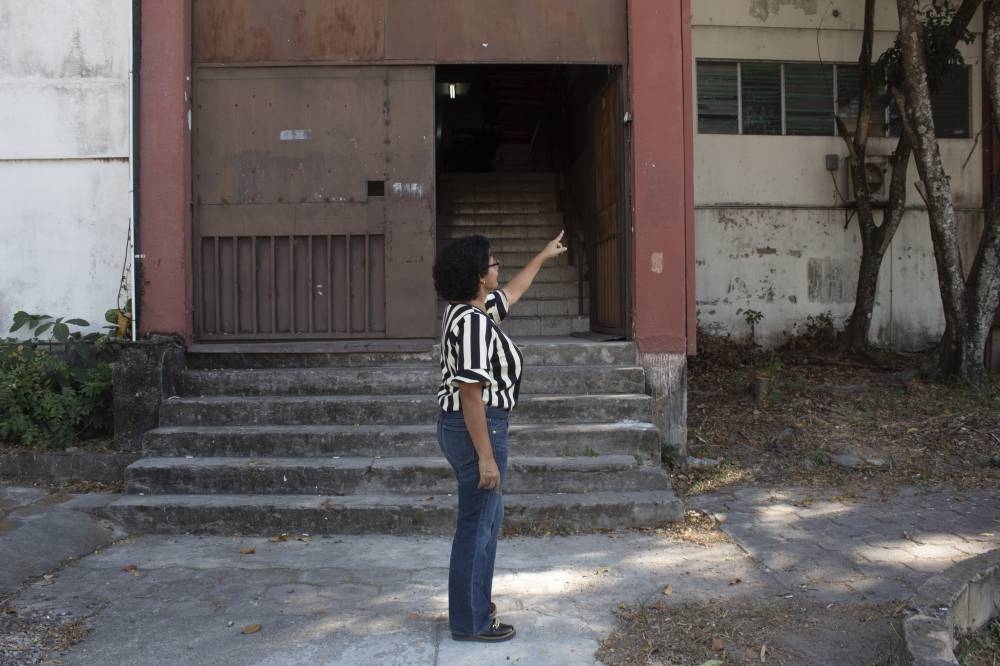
pixel 480 378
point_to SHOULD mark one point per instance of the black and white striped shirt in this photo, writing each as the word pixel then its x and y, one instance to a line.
pixel 474 349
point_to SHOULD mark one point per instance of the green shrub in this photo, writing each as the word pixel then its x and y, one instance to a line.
pixel 53 391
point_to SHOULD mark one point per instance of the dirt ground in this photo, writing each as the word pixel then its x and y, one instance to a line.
pixel 742 631
pixel 818 419
pixel 806 416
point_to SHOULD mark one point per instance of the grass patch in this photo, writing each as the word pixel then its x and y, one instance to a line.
pixel 981 648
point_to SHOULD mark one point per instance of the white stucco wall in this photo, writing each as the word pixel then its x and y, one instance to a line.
pixel 64 173
pixel 770 220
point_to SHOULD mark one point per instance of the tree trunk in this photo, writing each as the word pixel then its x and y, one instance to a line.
pixel 940 207
pixel 875 242
pixel 983 285
pixel 856 336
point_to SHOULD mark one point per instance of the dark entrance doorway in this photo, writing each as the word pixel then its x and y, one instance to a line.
pixel 524 150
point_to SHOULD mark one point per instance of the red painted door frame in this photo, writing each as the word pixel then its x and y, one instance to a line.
pixel 663 175
pixel 164 278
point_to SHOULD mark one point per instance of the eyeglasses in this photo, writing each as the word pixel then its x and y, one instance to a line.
pixel 495 264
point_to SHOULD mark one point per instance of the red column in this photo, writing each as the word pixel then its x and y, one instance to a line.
pixel 164 168
pixel 663 194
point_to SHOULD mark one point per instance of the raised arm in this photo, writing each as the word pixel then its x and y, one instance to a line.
pixel 520 282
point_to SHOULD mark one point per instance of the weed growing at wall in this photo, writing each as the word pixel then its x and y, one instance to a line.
pixel 54 387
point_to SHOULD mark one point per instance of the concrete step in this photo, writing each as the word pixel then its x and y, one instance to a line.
pixel 270 515
pixel 515 261
pixel 553 307
pixel 546 299
pixel 472 223
pixel 516 326
pixel 501 247
pixel 368 476
pixel 389 410
pixel 550 272
pixel 544 307
pixel 584 439
pixel 545 290
pixel 498 208
pixel 300 355
pixel 536 352
pixel 465 195
pixel 497 179
pixel 496 234
pixel 550 290
pixel 399 379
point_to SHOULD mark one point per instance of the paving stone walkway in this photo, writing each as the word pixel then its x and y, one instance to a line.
pixel 382 600
pixel 869 547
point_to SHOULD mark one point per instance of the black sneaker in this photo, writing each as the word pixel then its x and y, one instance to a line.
pixel 493 611
pixel 496 633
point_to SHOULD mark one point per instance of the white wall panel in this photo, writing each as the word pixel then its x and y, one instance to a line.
pixel 67 118
pixel 64 227
pixel 59 39
pixel 64 172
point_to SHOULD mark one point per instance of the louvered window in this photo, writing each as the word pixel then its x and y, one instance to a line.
pixel 718 98
pixel 760 86
pixel 804 98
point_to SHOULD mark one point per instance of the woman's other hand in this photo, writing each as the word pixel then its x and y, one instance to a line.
pixel 489 474
pixel 554 247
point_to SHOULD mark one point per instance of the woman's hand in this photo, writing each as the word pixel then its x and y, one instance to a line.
pixel 516 287
pixel 554 247
pixel 489 474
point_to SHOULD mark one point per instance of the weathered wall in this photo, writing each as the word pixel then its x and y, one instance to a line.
pixel 770 220
pixel 63 155
pixel 790 264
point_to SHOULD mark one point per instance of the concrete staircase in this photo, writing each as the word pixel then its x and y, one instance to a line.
pixel 518 213
pixel 264 443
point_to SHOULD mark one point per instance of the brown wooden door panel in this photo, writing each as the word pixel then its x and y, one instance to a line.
pixel 288 242
pixel 285 135
pixel 410 200
pixel 609 258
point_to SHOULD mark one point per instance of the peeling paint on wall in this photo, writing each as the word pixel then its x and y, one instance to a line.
pixel 790 264
pixel 832 280
pixel 408 190
pixel 656 262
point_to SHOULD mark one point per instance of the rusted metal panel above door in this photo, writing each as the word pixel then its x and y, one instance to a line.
pixel 411 31
pixel 581 31
pixel 265 31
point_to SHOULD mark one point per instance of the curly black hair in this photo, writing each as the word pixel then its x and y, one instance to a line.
pixel 459 266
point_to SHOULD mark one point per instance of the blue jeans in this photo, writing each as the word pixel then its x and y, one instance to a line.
pixel 480 514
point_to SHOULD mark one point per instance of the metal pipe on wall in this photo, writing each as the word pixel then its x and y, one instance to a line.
pixel 133 147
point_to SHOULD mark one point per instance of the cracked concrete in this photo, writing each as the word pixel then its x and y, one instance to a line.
pixel 358 600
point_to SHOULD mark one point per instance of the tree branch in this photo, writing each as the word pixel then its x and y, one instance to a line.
pixel 866 81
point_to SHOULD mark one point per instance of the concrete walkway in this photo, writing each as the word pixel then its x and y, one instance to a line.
pixel 382 600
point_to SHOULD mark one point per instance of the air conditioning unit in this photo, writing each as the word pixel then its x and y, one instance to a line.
pixel 878 172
